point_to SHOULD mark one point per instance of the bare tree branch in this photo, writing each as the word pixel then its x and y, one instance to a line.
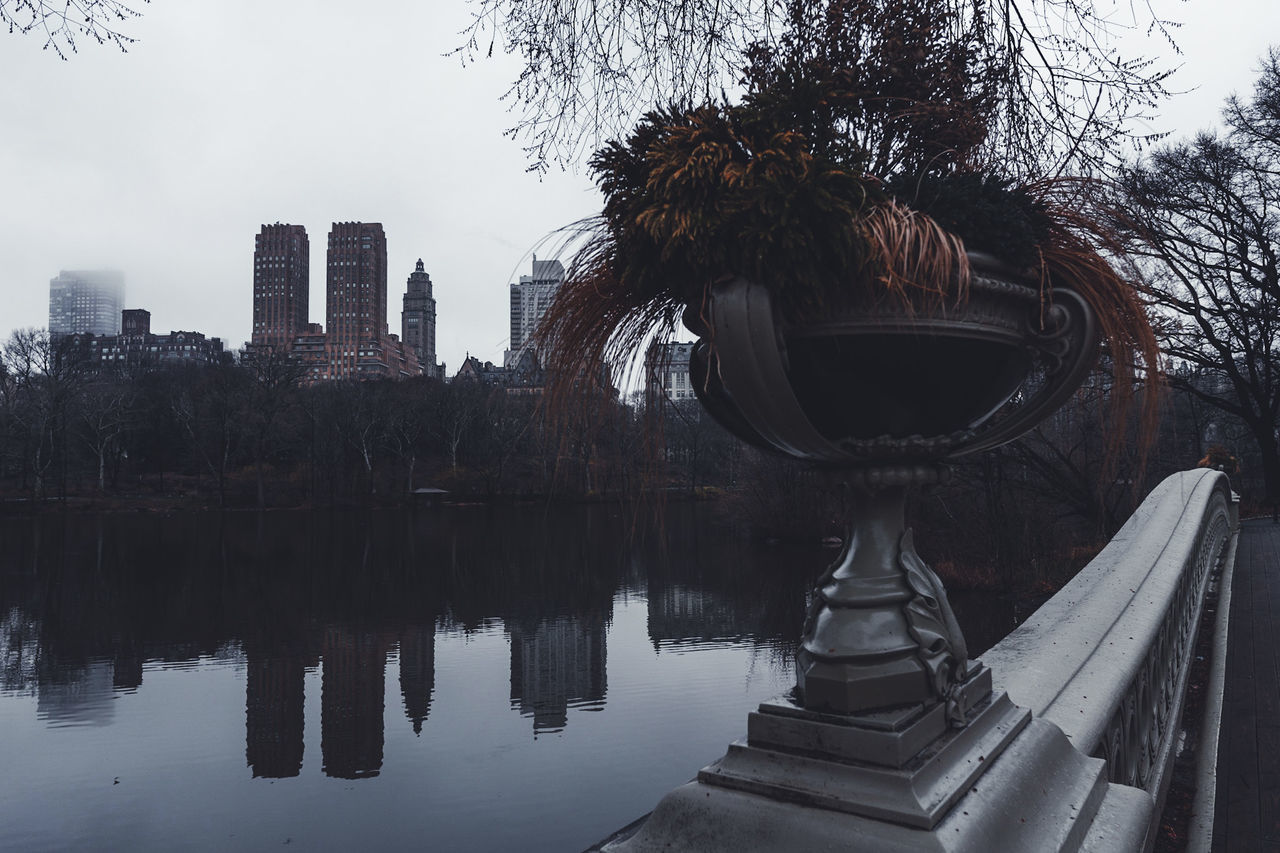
pixel 62 23
pixel 592 67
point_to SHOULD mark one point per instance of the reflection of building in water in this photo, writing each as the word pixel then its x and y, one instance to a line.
pixel 127 667
pixel 417 672
pixel 81 696
pixel 19 651
pixel 677 613
pixel 273 714
pixel 556 664
pixel 353 677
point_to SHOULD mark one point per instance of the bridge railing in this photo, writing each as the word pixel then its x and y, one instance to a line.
pixel 1080 760
pixel 1107 658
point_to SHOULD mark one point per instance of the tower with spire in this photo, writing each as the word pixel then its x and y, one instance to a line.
pixel 418 321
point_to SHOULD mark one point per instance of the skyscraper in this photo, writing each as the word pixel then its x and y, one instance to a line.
pixel 281 281
pixel 418 319
pixel 530 299
pixel 355 294
pixel 86 301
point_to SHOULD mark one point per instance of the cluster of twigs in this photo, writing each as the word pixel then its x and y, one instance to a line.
pixel 1063 101
pixel 61 23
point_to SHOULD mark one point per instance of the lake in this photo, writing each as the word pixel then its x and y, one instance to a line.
pixel 452 679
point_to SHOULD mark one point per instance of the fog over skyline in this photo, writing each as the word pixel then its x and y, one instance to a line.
pixel 164 162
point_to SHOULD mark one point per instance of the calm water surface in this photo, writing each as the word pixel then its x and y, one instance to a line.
pixel 462 679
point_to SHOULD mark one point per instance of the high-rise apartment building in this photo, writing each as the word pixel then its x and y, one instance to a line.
pixel 356 344
pixel 281 282
pixel 418 319
pixel 86 302
pixel 355 294
pixel 530 298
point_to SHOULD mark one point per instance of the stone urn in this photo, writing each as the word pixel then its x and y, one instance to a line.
pixel 890 388
pixel 892 735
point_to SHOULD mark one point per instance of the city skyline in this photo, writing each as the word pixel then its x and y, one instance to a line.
pixel 188 157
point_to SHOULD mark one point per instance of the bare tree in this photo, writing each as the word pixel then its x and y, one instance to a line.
pixel 503 425
pixel 275 377
pixel 1205 215
pixel 44 374
pixel 459 407
pixel 61 24
pixel 208 404
pixel 105 413
pixel 592 67
pixel 407 405
pixel 362 423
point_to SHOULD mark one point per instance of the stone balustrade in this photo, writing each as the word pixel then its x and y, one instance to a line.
pixel 1068 746
pixel 1106 659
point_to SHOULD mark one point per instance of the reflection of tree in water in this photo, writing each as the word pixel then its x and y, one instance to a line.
pixel 529 563
pixel 297 590
pixel 705 586
pixel 88 599
pixel 80 594
pixel 83 696
pixel 551 578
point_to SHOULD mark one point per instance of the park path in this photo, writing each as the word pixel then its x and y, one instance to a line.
pixel 1247 813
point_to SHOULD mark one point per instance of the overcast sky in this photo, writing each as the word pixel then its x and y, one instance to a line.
pixel 227 114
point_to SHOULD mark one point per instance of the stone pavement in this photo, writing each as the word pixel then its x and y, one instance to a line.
pixel 1247 812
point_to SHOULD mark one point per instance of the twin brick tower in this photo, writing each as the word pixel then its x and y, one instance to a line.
pixel 357 343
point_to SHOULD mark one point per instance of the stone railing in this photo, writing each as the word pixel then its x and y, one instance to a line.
pixel 1064 742
pixel 1107 658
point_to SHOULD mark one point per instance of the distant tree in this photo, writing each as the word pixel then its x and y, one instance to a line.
pixel 10 456
pixel 62 23
pixel 1082 462
pixel 362 422
pixel 208 404
pixel 459 409
pixel 1205 218
pixel 326 452
pixel 407 418
pixel 695 445
pixel 500 434
pixel 275 377
pixel 105 411
pixel 156 444
pixel 44 374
